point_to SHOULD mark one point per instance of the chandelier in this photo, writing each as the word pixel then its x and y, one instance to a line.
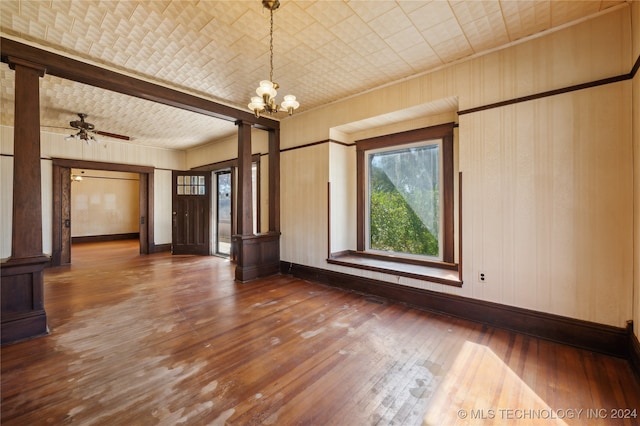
pixel 267 90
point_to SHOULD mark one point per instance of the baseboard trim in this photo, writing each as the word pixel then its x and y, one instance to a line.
pixel 24 328
pixel 103 238
pixel 160 248
pixel 583 334
pixel 634 352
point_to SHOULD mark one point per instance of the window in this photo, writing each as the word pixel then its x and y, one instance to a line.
pixel 190 185
pixel 403 210
pixel 405 195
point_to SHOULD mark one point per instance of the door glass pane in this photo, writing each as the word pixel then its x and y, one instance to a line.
pixel 190 185
pixel 254 196
pixel 223 207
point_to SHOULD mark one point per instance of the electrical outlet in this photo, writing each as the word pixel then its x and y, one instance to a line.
pixel 482 277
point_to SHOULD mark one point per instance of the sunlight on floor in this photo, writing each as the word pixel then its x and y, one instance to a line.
pixel 492 394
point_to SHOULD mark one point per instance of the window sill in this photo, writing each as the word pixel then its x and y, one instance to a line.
pixel 441 273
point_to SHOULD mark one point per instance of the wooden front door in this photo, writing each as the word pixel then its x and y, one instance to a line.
pixel 191 213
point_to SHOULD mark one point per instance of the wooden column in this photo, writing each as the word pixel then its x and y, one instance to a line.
pixel 274 180
pixel 258 255
pixel 22 306
pixel 244 197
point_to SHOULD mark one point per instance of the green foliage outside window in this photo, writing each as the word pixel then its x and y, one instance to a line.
pixel 404 201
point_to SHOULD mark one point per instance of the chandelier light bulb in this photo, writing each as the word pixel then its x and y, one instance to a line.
pixel 266 90
pixel 256 105
pixel 289 104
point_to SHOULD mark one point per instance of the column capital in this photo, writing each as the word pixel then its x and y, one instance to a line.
pixel 13 61
pixel 243 123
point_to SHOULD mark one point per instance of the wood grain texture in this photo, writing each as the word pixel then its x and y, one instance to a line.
pixel 162 339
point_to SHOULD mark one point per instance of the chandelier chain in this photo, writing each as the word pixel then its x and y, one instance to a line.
pixel 267 90
pixel 271 49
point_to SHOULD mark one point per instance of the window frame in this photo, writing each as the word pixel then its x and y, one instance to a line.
pixel 367 216
pixel 443 132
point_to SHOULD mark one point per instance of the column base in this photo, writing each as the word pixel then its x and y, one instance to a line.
pixel 22 314
pixel 257 255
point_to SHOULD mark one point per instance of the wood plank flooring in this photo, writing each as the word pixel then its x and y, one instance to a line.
pixel 161 339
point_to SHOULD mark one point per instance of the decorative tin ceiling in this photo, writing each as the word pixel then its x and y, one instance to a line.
pixel 323 51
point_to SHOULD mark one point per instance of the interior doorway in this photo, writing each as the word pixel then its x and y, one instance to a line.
pixel 104 205
pixel 61 212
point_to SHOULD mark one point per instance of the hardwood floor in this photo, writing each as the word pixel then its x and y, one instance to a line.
pixel 161 339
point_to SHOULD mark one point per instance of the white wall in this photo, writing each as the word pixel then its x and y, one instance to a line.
pixel 6 205
pixel 226 149
pixel 104 203
pixel 547 184
pixel 548 206
pixel 304 174
pixel 162 206
pixel 342 177
pixel 636 160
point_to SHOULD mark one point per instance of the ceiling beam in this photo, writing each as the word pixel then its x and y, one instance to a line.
pixel 71 69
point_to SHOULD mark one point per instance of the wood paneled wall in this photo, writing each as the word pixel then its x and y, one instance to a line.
pixel 548 197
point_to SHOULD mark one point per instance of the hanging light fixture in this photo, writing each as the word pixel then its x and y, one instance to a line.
pixel 85 129
pixel 267 90
pixel 82 135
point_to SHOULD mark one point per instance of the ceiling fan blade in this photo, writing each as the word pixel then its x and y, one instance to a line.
pixel 112 135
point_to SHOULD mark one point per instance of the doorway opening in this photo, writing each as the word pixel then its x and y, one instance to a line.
pixel 223 216
pixel 61 212
pixel 104 206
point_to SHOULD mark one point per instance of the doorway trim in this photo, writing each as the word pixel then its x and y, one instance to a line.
pixel 61 241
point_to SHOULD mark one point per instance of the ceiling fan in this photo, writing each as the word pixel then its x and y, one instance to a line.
pixel 86 130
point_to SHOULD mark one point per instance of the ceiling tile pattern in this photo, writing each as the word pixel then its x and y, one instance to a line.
pixel 147 123
pixel 323 50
